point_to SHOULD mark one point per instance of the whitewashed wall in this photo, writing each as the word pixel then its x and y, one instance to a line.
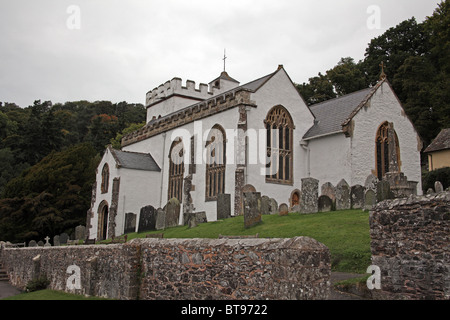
pixel 279 90
pixel 384 106
pixel 331 159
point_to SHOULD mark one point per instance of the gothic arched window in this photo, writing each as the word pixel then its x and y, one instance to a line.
pixel 176 170
pixel 280 133
pixel 105 178
pixel 387 150
pixel 215 163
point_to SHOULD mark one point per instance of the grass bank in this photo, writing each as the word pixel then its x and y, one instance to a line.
pixel 345 233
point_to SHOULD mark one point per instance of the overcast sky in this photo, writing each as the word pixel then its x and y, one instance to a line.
pixel 118 50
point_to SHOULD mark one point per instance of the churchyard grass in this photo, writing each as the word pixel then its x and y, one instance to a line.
pixel 345 233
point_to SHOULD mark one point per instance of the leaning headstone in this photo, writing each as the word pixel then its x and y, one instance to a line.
pixel 200 217
pixel 383 191
pixel 283 210
pixel 32 244
pixel 310 195
pixel 160 219
pixel 370 199
pixel 80 233
pixel 329 190
pixel 63 238
pixel 325 204
pixel 147 219
pixel 438 187
pixel 357 197
pixel 195 218
pixel 343 199
pixel 252 209
pixel 172 213
pixel 56 242
pixel 223 206
pixel 130 222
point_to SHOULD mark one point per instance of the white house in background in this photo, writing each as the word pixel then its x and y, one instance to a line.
pixel 223 136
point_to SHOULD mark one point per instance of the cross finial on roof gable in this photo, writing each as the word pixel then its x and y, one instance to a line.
pixel 224 59
pixel 383 75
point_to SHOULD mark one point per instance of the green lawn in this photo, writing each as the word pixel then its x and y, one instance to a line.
pixel 345 233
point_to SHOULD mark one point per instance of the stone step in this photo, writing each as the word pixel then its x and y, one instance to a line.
pixel 3 274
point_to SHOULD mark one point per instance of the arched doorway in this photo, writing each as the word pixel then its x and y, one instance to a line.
pixel 103 213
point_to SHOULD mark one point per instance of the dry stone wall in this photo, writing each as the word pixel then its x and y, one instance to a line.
pixel 410 243
pixel 182 269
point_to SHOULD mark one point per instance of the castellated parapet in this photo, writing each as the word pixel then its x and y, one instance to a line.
pixel 175 87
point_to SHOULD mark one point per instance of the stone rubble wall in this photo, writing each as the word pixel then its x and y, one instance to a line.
pixel 410 242
pixel 182 269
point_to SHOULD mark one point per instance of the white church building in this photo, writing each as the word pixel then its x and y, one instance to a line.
pixel 224 136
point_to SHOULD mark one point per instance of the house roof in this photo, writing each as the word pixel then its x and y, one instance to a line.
pixel 332 115
pixel 441 142
pixel 134 160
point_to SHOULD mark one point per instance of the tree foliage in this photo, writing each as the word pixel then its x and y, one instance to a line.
pixel 416 58
pixel 48 158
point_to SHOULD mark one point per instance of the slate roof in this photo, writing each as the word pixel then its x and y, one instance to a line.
pixel 441 142
pixel 134 160
pixel 331 115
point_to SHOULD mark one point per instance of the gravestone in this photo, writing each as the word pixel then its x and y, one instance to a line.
pixel 273 206
pixel 383 191
pixel 160 219
pixel 63 238
pixel 325 204
pixel 357 197
pixel 80 232
pixel 438 187
pixel 329 190
pixel 130 222
pixel 310 195
pixel 370 199
pixel 246 188
pixel 223 206
pixel 252 209
pixel 47 243
pixel 371 183
pixel 195 218
pixel 172 209
pixel 56 241
pixel 343 199
pixel 283 210
pixel 147 219
pixel 40 243
pixel 430 191
pixel 32 244
pixel 265 205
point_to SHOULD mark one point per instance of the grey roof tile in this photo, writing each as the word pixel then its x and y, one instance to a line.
pixel 136 161
pixel 331 114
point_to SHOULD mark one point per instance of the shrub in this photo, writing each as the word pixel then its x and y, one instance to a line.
pixel 37 284
pixel 429 178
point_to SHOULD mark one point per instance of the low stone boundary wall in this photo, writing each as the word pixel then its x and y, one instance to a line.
pixel 182 269
pixel 411 245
